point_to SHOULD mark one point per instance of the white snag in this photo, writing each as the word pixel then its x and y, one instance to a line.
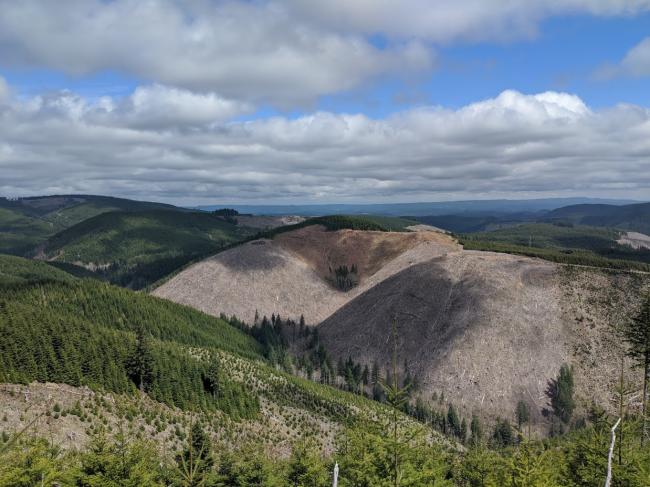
pixel 611 454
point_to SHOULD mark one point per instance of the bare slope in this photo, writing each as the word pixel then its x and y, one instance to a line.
pixel 289 274
pixel 488 329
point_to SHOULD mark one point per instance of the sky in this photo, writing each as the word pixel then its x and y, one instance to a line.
pixel 295 101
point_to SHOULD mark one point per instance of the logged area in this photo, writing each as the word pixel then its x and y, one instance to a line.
pixel 295 273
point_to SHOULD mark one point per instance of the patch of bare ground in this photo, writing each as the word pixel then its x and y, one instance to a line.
pixel 267 222
pixel 68 416
pixel 290 274
pixel 635 240
pixel 488 329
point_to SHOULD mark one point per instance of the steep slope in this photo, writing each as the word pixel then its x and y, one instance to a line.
pixel 487 330
pixel 137 248
pixel 627 217
pixel 293 273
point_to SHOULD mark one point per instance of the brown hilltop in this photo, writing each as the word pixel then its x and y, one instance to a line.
pixel 291 274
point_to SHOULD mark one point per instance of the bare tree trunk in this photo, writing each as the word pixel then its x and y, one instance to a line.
pixel 335 482
pixel 645 401
pixel 608 481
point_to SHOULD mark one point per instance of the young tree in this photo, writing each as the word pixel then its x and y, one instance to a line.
pixel 476 431
pixel 523 414
pixel 453 421
pixel 211 378
pixel 637 335
pixel 560 392
pixel 397 397
pixel 502 435
pixel 195 461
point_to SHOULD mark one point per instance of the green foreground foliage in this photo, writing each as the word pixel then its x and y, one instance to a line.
pixel 365 456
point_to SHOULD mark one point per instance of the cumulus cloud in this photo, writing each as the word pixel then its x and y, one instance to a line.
pixel 255 51
pixel 514 144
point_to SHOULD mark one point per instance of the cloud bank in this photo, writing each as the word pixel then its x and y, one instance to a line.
pixel 172 145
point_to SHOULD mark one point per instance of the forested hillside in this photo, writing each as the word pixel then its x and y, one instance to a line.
pixel 135 249
pixel 27 222
pixel 562 242
pixel 634 217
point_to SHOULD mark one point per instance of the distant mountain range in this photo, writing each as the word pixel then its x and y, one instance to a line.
pixel 469 207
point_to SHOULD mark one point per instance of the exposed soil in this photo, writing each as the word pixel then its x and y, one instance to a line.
pixel 487 329
pixel 635 240
pixel 290 275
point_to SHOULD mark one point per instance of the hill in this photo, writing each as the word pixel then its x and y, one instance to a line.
pixel 135 249
pixel 27 222
pixel 564 242
pixel 455 308
pixel 627 217
pixel 302 270
pixel 487 330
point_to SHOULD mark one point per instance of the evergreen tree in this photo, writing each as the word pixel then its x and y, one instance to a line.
pixel 140 362
pixel 211 378
pixel 522 413
pixel 502 435
pixel 453 421
pixel 476 431
pixel 365 376
pixel 560 392
pixel 637 335
pixel 195 462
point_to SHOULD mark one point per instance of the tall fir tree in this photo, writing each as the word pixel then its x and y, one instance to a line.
pixel 637 335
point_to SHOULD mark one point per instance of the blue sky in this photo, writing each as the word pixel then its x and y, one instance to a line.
pixel 345 100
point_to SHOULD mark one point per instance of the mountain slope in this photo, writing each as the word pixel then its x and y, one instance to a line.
pixel 487 330
pixel 137 248
pixel 627 217
pixel 27 222
pixel 81 333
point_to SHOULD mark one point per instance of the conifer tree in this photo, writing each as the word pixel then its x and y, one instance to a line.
pixel 560 392
pixel 140 362
pixel 195 461
pixel 476 431
pixel 637 335
pixel 523 415
pixel 453 421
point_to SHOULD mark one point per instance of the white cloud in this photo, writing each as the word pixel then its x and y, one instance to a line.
pixel 514 144
pixel 637 60
pixel 450 20
pixel 253 51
